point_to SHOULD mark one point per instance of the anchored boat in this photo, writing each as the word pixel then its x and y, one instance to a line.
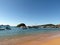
pixel 5 27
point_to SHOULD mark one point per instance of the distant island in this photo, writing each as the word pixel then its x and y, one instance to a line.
pixel 22 25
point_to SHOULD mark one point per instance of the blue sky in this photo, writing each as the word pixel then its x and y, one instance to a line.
pixel 30 12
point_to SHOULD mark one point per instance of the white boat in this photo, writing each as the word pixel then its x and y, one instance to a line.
pixel 4 27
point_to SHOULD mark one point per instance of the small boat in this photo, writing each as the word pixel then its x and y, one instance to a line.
pixel 2 29
pixel 5 27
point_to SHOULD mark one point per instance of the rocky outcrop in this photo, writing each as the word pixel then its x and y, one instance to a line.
pixel 22 25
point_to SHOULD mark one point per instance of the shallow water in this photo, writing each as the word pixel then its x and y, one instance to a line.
pixel 15 32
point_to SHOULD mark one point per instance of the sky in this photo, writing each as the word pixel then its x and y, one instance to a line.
pixel 30 12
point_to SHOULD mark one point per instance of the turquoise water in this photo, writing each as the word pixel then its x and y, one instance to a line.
pixel 23 32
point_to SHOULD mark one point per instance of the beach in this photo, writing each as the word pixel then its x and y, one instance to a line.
pixel 29 22
pixel 52 38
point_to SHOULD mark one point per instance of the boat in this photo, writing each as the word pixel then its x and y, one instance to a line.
pixel 5 27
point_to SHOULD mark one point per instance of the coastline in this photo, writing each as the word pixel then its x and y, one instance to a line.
pixel 38 39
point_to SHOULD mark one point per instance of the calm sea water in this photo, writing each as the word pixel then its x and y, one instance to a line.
pixel 23 32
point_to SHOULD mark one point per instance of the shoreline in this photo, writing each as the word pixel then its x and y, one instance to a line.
pixel 38 39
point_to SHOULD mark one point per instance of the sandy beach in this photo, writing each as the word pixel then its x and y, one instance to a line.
pixel 55 41
pixel 38 39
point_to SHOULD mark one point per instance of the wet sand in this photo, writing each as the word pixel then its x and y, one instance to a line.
pixel 38 39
